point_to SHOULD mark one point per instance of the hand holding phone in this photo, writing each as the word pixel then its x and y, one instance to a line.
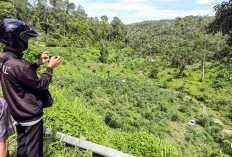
pixel 43 58
pixel 54 61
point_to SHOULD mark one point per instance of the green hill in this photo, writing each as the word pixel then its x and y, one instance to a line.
pixel 116 106
pixel 133 87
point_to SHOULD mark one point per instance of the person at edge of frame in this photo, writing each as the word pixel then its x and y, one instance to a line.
pixel 22 87
pixel 6 128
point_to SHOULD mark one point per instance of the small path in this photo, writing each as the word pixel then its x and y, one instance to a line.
pixel 217 121
pixel 204 110
pixel 227 131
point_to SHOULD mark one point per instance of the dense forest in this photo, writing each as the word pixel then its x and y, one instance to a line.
pixel 134 87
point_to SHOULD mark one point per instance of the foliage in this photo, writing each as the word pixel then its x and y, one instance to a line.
pixel 107 89
pixel 108 104
pixel 7 10
pixel 222 21
pixel 179 42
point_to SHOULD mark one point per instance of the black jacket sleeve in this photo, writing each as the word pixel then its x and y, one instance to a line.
pixel 29 78
pixel 35 66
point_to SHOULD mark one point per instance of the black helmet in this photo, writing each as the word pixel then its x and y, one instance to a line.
pixel 15 33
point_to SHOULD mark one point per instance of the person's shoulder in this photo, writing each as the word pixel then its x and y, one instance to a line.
pixel 15 62
pixel 16 66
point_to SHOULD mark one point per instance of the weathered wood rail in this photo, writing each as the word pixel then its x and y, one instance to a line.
pixel 83 144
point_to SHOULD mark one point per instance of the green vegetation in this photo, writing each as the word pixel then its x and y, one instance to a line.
pixel 134 87
pixel 109 104
pixel 222 21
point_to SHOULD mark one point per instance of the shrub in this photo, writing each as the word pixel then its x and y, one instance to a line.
pixel 202 120
pixel 175 117
pixel 111 120
pixel 183 109
pixel 229 115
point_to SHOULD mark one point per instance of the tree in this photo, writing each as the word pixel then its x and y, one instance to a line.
pixel 35 3
pixel 7 10
pixel 40 18
pixel 118 31
pixel 80 11
pixel 104 18
pixel 58 4
pixel 104 52
pixel 105 28
pixel 70 7
pixel 22 7
pixel 223 20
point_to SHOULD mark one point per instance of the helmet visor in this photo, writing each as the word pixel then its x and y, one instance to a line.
pixel 28 34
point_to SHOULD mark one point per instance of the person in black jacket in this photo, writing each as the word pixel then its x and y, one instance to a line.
pixel 22 87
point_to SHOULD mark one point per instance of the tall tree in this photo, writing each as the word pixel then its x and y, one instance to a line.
pixel 105 28
pixel 105 19
pixel 223 20
pixel 35 3
pixel 80 11
pixel 58 4
pixel 23 11
pixel 118 31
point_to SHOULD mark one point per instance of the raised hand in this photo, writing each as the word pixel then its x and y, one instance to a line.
pixel 54 62
pixel 43 58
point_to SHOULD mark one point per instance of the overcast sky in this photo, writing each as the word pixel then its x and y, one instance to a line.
pixel 131 11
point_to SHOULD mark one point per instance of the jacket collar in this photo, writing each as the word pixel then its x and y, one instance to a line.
pixel 14 53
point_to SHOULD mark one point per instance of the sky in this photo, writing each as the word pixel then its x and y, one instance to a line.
pixel 132 11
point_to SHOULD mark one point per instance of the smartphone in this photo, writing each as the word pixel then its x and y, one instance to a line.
pixel 51 57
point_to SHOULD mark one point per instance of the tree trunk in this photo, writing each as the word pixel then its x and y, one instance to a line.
pixel 203 66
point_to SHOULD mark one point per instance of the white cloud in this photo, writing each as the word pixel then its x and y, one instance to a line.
pixel 204 1
pixel 130 11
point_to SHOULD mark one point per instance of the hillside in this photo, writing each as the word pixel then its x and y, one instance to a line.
pixel 120 107
pixel 132 87
pixel 180 42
